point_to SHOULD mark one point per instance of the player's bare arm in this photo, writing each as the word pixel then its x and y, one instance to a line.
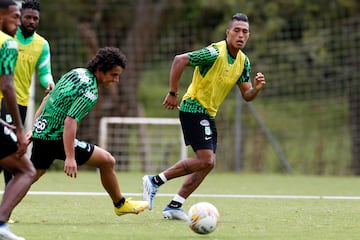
pixel 248 91
pixel 70 127
pixel 177 68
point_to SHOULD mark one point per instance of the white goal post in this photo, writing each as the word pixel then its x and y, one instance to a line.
pixel 142 144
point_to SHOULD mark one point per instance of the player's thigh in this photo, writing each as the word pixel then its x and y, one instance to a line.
pixel 100 157
pixel 15 164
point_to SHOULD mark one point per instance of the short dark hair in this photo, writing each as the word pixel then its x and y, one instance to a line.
pixel 30 4
pixel 5 4
pixel 238 17
pixel 107 58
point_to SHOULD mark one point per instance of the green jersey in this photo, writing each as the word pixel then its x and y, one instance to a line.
pixel 8 54
pixel 74 95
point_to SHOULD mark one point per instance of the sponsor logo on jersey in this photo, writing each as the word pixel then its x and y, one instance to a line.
pixel 90 95
pixel 212 51
pixel 40 125
pixel 13 44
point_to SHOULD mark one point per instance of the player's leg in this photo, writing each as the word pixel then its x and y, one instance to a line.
pixel 196 169
pixel 7 117
pixel 199 132
pixel 23 174
pixel 105 162
pixel 193 130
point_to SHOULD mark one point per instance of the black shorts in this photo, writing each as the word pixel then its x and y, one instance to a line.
pixel 7 117
pixel 199 130
pixel 8 142
pixel 44 152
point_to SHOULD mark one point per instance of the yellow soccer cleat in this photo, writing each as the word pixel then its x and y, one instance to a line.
pixel 131 206
pixel 10 221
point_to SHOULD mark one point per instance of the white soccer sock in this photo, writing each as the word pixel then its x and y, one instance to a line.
pixel 163 178
pixel 178 198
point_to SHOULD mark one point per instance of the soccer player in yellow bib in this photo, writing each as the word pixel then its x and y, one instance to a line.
pixel 218 68
pixel 34 55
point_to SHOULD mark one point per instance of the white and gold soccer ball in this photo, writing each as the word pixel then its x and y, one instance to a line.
pixel 203 217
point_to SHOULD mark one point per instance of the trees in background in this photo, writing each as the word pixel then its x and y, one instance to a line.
pixel 309 49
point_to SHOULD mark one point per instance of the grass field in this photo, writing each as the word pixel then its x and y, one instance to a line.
pixel 250 206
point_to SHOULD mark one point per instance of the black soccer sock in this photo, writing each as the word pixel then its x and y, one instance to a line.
pixel 157 180
pixel 174 204
pixel 120 203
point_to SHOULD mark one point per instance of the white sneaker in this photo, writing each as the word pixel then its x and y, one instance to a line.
pixel 6 234
pixel 150 190
pixel 175 214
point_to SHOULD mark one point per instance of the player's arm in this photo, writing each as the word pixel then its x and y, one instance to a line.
pixel 70 128
pixel 41 107
pixel 202 58
pixel 43 67
pixel 247 90
pixel 80 107
pixel 178 65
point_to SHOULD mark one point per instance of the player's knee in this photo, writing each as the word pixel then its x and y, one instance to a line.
pixel 109 160
pixel 26 169
pixel 207 161
pixel 209 164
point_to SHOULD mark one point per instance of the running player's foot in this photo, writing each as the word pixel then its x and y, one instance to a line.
pixel 131 206
pixel 175 214
pixel 6 234
pixel 11 221
pixel 150 190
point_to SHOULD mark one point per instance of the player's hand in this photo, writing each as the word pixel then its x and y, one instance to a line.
pixel 259 81
pixel 49 87
pixel 170 102
pixel 70 167
pixel 21 142
pixel 8 125
pixel 28 137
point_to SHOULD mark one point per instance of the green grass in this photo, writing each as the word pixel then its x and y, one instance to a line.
pixel 92 217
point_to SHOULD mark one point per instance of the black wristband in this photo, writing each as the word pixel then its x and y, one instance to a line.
pixel 175 94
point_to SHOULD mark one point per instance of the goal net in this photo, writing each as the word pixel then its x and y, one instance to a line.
pixel 142 144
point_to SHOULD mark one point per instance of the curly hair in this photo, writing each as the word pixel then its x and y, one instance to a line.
pixel 31 4
pixel 106 59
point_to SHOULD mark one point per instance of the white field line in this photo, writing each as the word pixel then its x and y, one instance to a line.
pixel 199 195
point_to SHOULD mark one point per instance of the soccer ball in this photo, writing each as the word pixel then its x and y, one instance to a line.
pixel 203 217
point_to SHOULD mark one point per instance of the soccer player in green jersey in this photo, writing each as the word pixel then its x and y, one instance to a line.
pixel 12 144
pixel 54 132
pixel 218 68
